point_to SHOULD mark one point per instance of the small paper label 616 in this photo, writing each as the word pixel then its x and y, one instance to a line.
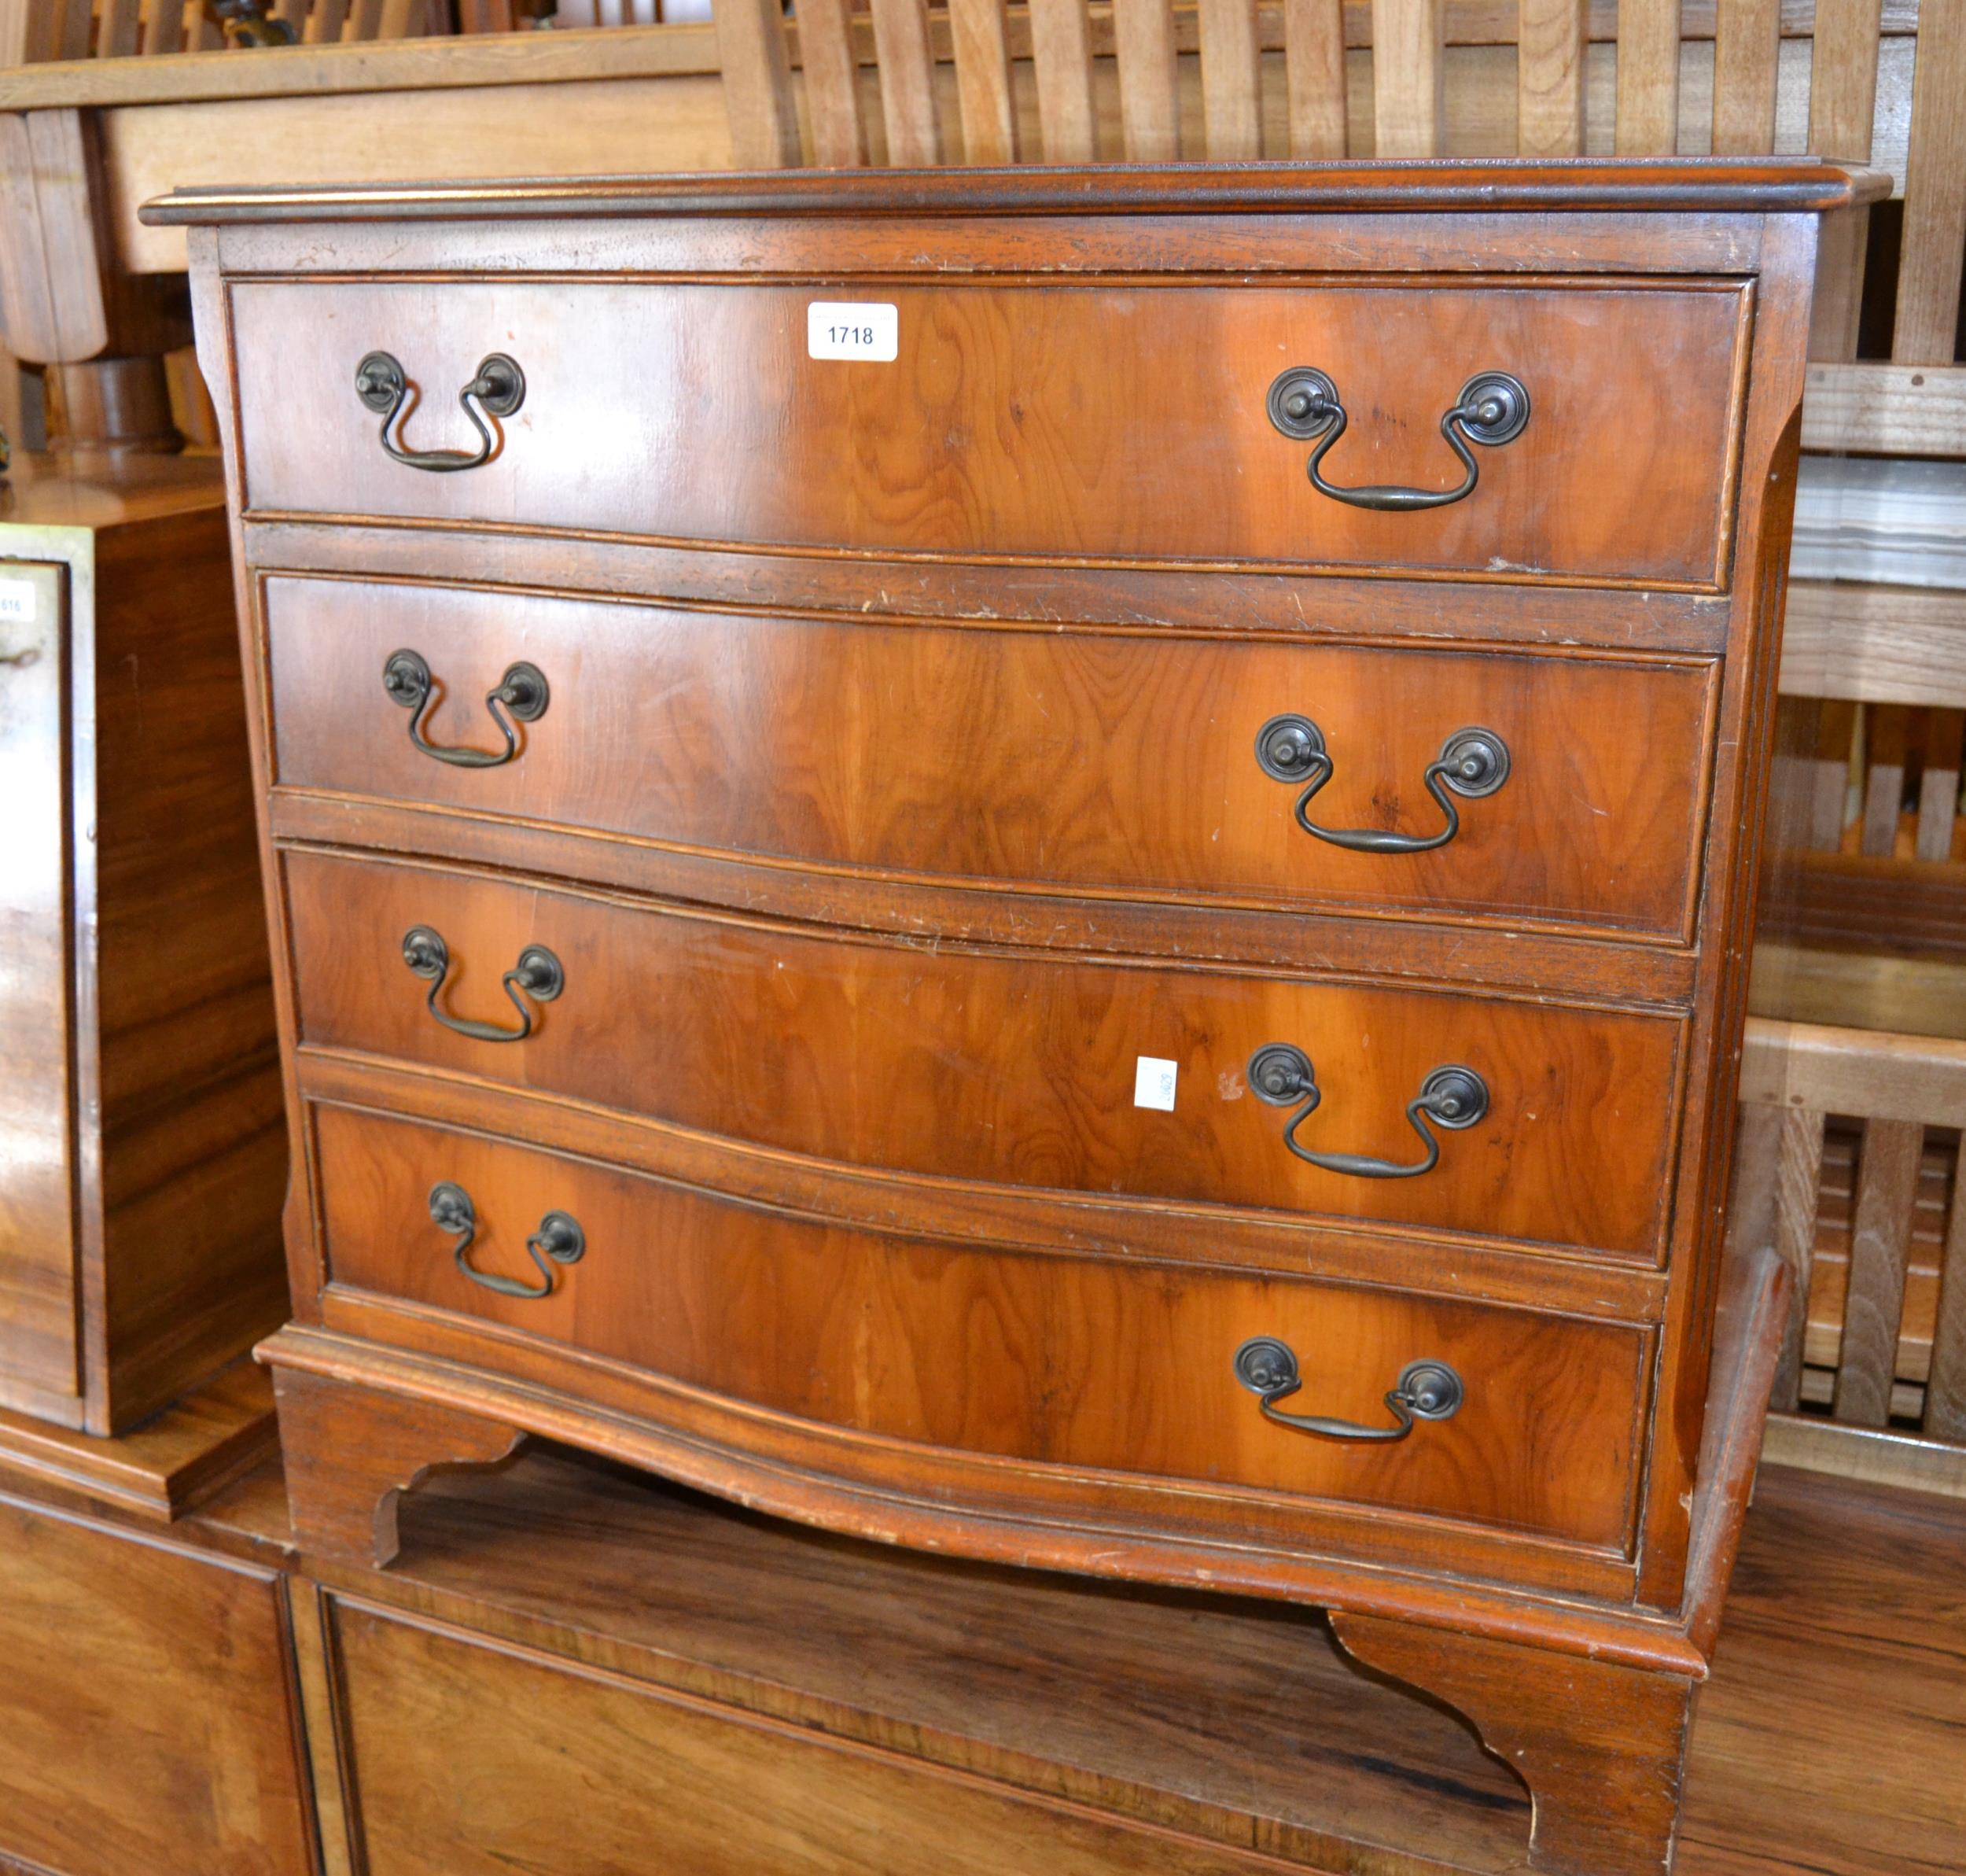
pixel 852 329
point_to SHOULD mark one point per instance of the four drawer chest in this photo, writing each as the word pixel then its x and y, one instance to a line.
pixel 1056 864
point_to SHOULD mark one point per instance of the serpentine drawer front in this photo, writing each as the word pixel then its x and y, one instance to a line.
pixel 1577 429
pixel 1057 864
pixel 1020 1069
pixel 1383 778
pixel 848 1327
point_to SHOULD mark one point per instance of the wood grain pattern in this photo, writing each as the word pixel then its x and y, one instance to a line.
pixel 828 62
pixel 1926 327
pixel 1061 58
pixel 1118 763
pixel 1143 46
pixel 1232 80
pixel 1549 78
pixel 974 1065
pixel 1033 463
pixel 983 81
pixel 1647 122
pixel 908 83
pixel 1066 1360
pixel 1314 57
pixel 1945 1380
pixel 758 81
pixel 39 1269
pixel 1747 47
pixel 146 1703
pixel 1886 1188
pixel 153 1088
pixel 1409 74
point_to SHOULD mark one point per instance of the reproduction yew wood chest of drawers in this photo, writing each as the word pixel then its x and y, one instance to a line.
pixel 1055 865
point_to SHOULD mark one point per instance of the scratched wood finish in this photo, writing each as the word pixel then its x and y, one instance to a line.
pixel 141 1154
pixel 1110 761
pixel 144 1722
pixel 977 1066
pixel 1023 419
pixel 1070 1362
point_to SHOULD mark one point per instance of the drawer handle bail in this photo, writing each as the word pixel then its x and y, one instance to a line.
pixel 498 389
pixel 521 696
pixel 1493 409
pixel 558 1240
pixel 1453 1097
pixel 1425 1390
pixel 1472 763
pixel 538 975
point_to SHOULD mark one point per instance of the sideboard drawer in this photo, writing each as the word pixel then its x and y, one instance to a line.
pixel 986 1064
pixel 1110 761
pixel 1024 418
pixel 1101 1365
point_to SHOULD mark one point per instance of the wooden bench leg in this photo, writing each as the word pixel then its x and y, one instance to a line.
pixel 351 1452
pixel 1600 1746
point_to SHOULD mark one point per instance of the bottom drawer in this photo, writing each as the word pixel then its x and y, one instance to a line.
pixel 1098 1363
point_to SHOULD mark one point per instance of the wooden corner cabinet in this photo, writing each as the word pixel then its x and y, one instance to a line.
pixel 1052 865
pixel 142 1152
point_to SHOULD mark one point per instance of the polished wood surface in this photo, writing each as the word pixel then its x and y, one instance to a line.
pixel 1076 1364
pixel 146 1723
pixel 973 1065
pixel 935 1071
pixel 38 1249
pixel 1095 761
pixel 992 433
pixel 148 1050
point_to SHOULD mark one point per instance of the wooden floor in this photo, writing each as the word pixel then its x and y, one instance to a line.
pixel 1831 1741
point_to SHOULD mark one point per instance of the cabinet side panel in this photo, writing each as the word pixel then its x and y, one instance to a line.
pixel 38 1349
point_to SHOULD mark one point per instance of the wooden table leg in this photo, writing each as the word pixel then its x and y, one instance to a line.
pixel 351 1453
pixel 1601 1746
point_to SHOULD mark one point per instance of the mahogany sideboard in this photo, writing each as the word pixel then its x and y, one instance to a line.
pixel 1050 863
pixel 142 1143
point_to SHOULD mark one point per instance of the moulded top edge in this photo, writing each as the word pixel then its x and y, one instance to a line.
pixel 1713 185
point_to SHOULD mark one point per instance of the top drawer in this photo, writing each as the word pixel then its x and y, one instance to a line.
pixel 1107 421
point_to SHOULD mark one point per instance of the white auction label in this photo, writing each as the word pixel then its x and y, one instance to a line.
pixel 1153 1083
pixel 852 329
pixel 16 601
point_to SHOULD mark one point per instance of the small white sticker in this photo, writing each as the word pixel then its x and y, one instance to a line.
pixel 16 602
pixel 849 328
pixel 1153 1083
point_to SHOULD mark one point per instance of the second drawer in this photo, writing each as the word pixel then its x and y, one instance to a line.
pixel 1149 765
pixel 1534 1121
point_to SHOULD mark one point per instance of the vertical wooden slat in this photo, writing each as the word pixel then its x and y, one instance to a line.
pixel 832 82
pixel 163 30
pixel 1836 727
pixel 1408 99
pixel 1934 237
pixel 908 83
pixel 1939 784
pixel 1150 80
pixel 324 23
pixel 1842 77
pixel 1880 1242
pixel 364 21
pixel 983 81
pixel 1945 1385
pixel 1747 41
pixel 116 37
pixel 27 32
pixel 757 84
pixel 1884 785
pixel 1314 58
pixel 1062 54
pixel 1648 78
pixel 400 19
pixel 75 18
pixel 1549 78
pixel 1232 97
pixel 1799 1171
pixel 294 12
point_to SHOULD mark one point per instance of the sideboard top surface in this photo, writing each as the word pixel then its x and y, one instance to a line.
pixel 1697 185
